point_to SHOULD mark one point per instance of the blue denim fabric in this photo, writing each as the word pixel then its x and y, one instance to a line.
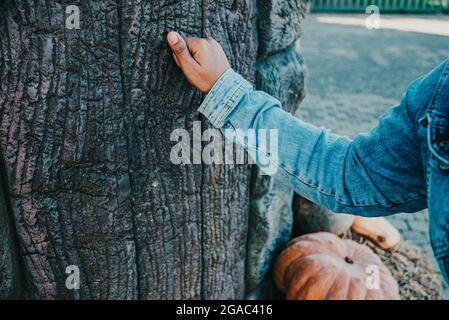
pixel 402 165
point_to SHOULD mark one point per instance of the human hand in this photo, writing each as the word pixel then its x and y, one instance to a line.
pixel 202 61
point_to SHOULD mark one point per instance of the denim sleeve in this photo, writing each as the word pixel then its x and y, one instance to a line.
pixel 376 174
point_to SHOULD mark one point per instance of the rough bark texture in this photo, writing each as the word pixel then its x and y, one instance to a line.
pixel 281 72
pixel 10 281
pixel 86 117
pixel 279 24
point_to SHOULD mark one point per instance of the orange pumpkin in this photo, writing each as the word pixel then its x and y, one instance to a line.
pixel 321 266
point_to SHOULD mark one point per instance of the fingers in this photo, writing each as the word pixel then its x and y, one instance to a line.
pixel 196 47
pixel 202 61
pixel 180 50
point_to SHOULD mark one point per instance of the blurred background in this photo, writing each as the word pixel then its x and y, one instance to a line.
pixel 357 73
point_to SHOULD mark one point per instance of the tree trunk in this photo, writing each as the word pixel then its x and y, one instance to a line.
pixel 86 117
pixel 281 72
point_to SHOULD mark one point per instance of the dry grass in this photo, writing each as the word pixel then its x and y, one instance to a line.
pixel 417 277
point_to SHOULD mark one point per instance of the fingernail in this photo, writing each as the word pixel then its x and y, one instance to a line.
pixel 173 38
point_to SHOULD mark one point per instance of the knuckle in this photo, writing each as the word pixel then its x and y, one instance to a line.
pixel 203 43
pixel 189 40
pixel 192 40
pixel 180 49
pixel 199 45
pixel 194 43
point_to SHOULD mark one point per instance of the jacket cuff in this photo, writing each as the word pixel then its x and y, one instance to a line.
pixel 224 97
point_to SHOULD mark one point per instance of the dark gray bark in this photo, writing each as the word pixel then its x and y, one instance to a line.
pixel 281 72
pixel 10 270
pixel 85 123
pixel 280 24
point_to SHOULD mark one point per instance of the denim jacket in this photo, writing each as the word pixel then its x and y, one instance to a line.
pixel 402 165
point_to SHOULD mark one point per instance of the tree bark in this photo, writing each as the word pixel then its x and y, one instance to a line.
pixel 281 72
pixel 85 123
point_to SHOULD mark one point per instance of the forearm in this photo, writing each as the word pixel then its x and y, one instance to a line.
pixel 320 166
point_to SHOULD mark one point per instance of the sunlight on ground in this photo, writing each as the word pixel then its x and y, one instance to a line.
pixel 427 26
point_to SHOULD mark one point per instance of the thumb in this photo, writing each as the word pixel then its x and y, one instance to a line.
pixel 180 50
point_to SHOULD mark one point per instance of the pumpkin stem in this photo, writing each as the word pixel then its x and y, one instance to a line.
pixel 349 260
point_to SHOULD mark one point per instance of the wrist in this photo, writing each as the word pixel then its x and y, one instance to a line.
pixel 224 96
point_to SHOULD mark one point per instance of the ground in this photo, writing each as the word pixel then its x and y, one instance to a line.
pixel 356 74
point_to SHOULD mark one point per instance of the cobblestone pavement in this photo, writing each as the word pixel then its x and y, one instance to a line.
pixel 356 74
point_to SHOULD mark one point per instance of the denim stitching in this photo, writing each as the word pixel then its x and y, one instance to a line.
pixel 231 104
